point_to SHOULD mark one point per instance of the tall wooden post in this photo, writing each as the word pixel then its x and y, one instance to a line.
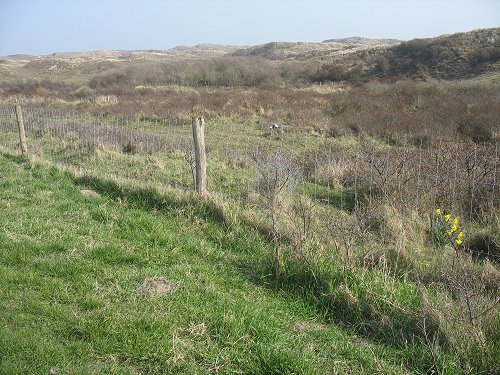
pixel 198 125
pixel 22 132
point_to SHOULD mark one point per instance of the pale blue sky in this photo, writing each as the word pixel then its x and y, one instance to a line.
pixel 46 26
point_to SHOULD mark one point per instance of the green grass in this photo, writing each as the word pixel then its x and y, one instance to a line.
pixel 343 199
pixel 70 266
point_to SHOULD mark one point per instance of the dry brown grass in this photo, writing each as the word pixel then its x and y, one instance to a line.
pixel 402 112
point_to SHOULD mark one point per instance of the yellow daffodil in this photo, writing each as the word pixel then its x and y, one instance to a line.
pixel 439 212
pixel 447 217
pixel 458 242
pixel 460 235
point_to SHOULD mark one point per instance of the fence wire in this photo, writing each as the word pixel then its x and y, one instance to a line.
pixel 259 164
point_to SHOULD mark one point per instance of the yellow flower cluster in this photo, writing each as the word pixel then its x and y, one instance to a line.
pixel 453 231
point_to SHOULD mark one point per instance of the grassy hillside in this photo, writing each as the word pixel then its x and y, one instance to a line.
pixel 134 281
pixel 72 268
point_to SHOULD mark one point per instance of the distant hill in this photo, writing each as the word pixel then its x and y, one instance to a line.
pixel 304 51
pixel 288 50
pixel 205 50
pixel 80 66
pixel 21 56
pixel 454 56
pixel 357 40
pixel 213 48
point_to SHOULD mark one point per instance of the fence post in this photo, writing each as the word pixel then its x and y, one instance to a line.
pixel 22 132
pixel 198 125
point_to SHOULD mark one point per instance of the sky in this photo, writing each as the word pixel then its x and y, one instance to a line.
pixel 45 26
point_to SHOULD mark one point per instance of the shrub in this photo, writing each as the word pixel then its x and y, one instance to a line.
pixel 226 71
pixel 382 65
pixel 129 148
pixel 485 55
pixel 477 132
pixel 277 174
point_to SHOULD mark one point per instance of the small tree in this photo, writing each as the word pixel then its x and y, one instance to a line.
pixel 382 65
pixel 345 230
pixel 301 214
pixel 278 174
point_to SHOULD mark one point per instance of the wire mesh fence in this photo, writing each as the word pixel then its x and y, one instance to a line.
pixel 259 164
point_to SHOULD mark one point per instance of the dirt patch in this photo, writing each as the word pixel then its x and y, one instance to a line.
pixel 89 193
pixel 156 287
pixel 308 326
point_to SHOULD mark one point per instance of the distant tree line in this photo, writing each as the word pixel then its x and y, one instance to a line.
pixel 220 72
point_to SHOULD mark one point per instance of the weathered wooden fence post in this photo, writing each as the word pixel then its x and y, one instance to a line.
pixel 22 132
pixel 198 125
